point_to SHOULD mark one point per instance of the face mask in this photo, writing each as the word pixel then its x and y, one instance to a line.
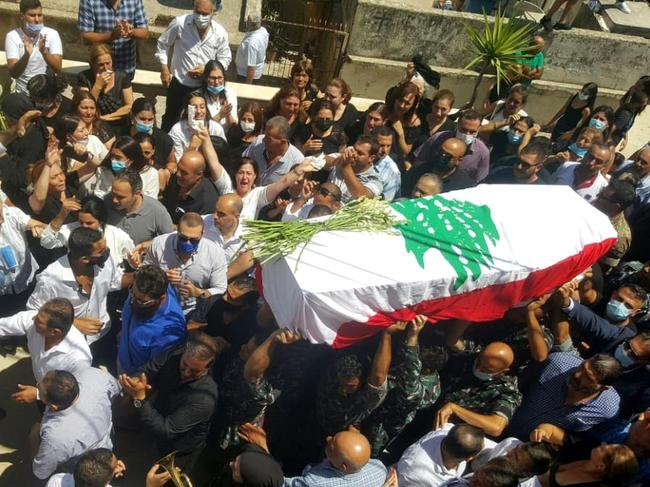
pixel 599 125
pixel 467 138
pixel 216 90
pixel 482 376
pixel 186 246
pixel 34 28
pixel 514 138
pixel 323 124
pixel 101 260
pixel 143 128
pixel 616 311
pixel 583 96
pixel 247 127
pixel 622 357
pixel 577 150
pixel 118 166
pixel 202 21
pixel 441 162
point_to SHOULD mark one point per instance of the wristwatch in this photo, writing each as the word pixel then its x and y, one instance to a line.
pixel 137 403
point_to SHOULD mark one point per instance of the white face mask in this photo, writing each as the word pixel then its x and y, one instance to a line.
pixel 247 127
pixel 468 139
pixel 583 96
pixel 202 21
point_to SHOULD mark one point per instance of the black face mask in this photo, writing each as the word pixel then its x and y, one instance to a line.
pixel 323 124
pixel 101 260
pixel 441 162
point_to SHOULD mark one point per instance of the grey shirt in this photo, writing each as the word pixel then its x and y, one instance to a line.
pixel 85 425
pixel 271 174
pixel 150 220
pixel 369 178
pixel 206 268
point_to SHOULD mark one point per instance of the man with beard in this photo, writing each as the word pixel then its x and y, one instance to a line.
pixel 152 320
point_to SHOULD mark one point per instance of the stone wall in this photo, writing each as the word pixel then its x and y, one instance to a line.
pixel 390 30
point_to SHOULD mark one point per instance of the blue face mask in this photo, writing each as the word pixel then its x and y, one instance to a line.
pixel 622 357
pixel 34 28
pixel 599 125
pixel 514 138
pixel 482 376
pixel 143 128
pixel 118 166
pixel 216 90
pixel 186 246
pixel 616 311
pixel 577 150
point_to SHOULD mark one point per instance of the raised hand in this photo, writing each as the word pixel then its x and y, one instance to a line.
pixel 26 394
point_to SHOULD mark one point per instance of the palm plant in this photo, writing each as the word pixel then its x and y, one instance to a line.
pixel 501 46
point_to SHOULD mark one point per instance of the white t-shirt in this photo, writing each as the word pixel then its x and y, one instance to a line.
pixel 15 49
pixel 566 174
pixel 252 52
pixel 214 105
pixel 150 182
pixel 181 134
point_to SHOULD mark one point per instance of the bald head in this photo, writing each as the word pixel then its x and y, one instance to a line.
pixel 348 451
pixel 227 212
pixel 454 147
pixel 230 203
pixel 190 169
pixel 496 357
pixel 193 159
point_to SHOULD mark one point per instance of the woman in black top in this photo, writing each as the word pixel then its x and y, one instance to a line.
pixel 320 135
pixel 338 92
pixel 302 78
pixel 401 114
pixel 286 103
pixel 112 89
pixel 575 111
pixel 438 119
pixel 602 119
pixel 85 106
pixel 244 133
pixel 625 117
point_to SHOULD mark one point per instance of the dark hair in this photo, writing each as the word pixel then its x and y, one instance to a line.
pixel 81 241
pixel 209 67
pixel 382 131
pixel 342 85
pixel 68 123
pixel 188 97
pixel 518 90
pixel 541 456
pixel 191 219
pixel 435 357
pixel 142 137
pixel 638 292
pixel 369 139
pixel 273 108
pixel 348 367
pixel 378 106
pixel 319 210
pixel 498 472
pixel 469 115
pixel 303 65
pixel 637 97
pixel 401 91
pixel 94 468
pixel 26 5
pixel 131 177
pixel 46 87
pixel 143 104
pixel 322 104
pixel 540 147
pixel 445 95
pixel 60 314
pixel 96 207
pixel 623 192
pixel 254 109
pixel 606 368
pixel 609 115
pixel 132 150
pixel 527 120
pixel 463 441
pixel 247 160
pixel 61 388
pixel 592 90
pixel 151 280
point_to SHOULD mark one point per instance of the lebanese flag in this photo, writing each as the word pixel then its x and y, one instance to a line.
pixel 470 254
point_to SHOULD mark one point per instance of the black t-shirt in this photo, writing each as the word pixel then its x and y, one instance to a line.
pixel 331 143
pixel 202 200
pixel 348 120
pixel 164 145
pixel 111 101
pixel 505 175
pixel 623 119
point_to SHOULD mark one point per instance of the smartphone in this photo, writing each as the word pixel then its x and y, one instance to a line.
pixel 194 124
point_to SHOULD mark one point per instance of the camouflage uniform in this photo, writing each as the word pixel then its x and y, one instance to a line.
pixel 497 396
pixel 518 341
pixel 409 391
pixel 241 401
pixel 336 412
pixel 622 245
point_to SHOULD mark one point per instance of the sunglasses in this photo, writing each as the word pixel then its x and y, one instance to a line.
pixel 522 163
pixel 326 192
pixel 188 239
pixel 631 353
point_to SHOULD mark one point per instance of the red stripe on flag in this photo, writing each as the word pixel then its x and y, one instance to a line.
pixel 486 304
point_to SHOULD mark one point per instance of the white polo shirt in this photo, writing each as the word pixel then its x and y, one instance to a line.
pixel 72 354
pixel 15 49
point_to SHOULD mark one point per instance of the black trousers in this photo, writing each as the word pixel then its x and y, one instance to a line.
pixel 176 94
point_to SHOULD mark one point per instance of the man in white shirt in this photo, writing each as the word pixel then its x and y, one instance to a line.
pixel 54 344
pixel 78 417
pixel 84 276
pixel 251 53
pixel 32 48
pixel 196 39
pixel 585 177
pixel 439 456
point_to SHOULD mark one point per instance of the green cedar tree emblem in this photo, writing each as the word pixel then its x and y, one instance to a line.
pixel 460 230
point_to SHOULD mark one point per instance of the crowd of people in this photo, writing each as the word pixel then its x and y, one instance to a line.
pixel 123 266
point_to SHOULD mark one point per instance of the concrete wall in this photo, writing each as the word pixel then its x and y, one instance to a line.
pixel 390 30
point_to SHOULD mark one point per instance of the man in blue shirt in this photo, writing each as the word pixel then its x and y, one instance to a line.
pixel 152 320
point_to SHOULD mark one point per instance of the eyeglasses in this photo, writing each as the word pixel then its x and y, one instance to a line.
pixel 189 239
pixel 140 303
pixel 216 78
pixel 326 192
